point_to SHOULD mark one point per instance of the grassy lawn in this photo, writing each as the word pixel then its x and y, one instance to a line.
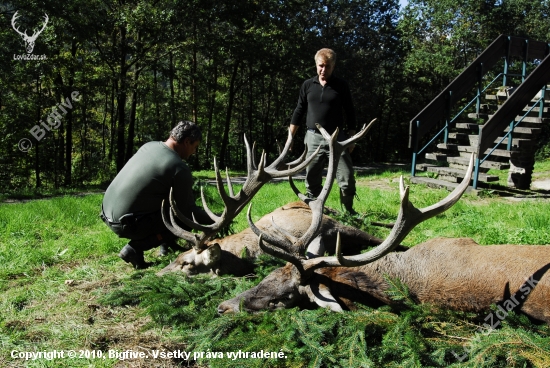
pixel 64 288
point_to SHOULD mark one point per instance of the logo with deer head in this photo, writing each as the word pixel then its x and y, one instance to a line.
pixel 29 40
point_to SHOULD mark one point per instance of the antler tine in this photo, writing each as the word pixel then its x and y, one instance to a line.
pixel 35 34
pixel 13 19
pixel 303 197
pixel 359 135
pixel 175 229
pixel 285 244
pixel 290 248
pixel 219 184
pixel 184 218
pixel 282 154
pixel 279 253
pixel 296 169
pixel 250 165
pixel 409 216
pixel 283 232
pixel 210 214
pixel 254 156
pixel 229 184
pixel 298 160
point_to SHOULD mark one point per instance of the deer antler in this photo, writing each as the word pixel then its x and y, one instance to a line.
pixel 35 34
pixel 409 216
pixel 13 19
pixel 292 250
pixel 24 34
pixel 288 247
pixel 233 204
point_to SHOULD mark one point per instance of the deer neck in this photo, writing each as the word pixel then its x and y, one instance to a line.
pixel 366 284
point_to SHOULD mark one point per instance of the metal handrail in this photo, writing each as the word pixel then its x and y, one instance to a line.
pixel 509 133
pixel 439 108
pixel 477 97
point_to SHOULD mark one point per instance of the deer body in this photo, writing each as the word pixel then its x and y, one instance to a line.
pixel 452 273
pixel 455 273
pixel 232 254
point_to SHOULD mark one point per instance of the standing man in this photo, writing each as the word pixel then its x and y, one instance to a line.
pixel 325 99
pixel 132 203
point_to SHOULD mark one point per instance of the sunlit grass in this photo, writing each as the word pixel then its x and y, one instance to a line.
pixel 59 261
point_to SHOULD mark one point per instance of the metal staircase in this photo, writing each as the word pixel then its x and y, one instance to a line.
pixel 500 124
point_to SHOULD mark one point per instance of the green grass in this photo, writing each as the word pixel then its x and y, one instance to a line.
pixel 63 287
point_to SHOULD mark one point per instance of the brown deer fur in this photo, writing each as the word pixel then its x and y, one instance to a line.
pixel 231 254
pixel 452 273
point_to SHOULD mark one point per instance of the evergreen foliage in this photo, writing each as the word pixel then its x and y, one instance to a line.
pixel 402 335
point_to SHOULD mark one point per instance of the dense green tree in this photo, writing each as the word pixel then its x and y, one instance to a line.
pixel 233 67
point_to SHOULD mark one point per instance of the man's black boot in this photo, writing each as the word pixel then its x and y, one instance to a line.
pixel 347 204
pixel 169 245
pixel 135 257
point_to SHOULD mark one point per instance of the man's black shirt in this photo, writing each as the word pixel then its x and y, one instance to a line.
pixel 325 105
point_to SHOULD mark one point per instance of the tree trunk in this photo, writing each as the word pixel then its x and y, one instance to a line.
pixel 172 93
pixel 132 122
pixel 212 105
pixel 225 139
pixel 121 102
pixel 69 124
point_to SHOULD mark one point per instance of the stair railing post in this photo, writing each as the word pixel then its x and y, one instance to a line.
pixel 476 167
pixel 415 148
pixel 505 72
pixel 510 136
pixel 479 88
pixel 541 103
pixel 524 64
pixel 447 118
pixel 476 173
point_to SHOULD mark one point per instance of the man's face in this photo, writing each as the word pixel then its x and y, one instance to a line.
pixel 324 68
pixel 188 148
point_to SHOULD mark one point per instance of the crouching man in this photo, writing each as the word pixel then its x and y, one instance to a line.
pixel 131 206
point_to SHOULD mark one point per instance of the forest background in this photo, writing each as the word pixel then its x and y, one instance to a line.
pixel 234 67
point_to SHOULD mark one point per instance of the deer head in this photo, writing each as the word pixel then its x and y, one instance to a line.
pixel 204 256
pixel 29 40
pixel 297 283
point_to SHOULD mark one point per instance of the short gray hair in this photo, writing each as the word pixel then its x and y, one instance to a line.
pixel 186 129
pixel 327 55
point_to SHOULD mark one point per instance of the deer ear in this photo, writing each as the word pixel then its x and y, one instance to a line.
pixel 212 255
pixel 320 294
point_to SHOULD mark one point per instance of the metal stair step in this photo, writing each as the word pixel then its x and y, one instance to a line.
pixel 458 174
pixel 496 97
pixel 486 164
pixel 524 130
pixel 468 126
pixel 436 156
pixel 423 167
pixel 527 119
pixel 470 149
pixel 436 183
pixel 472 139
pixel 536 109
pixel 502 96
